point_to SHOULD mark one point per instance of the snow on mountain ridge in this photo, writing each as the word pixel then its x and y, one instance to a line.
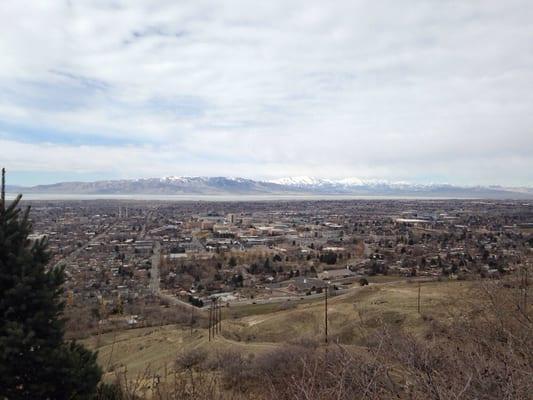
pixel 174 179
pixel 300 181
pixel 305 181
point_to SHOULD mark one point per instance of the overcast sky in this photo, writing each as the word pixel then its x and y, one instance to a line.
pixel 421 91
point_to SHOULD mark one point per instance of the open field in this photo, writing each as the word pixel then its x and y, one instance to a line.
pixel 351 315
pixel 252 329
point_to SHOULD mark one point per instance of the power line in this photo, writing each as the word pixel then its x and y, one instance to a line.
pixel 214 318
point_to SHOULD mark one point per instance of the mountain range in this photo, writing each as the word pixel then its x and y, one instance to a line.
pixel 180 185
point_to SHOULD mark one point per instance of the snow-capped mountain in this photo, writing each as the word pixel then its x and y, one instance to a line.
pixel 166 185
pixel 301 181
pixel 303 185
pixel 306 181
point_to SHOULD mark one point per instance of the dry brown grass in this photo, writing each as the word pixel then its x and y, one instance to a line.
pixel 474 340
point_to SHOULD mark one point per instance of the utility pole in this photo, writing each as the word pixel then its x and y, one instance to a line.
pixel 213 304
pixel 326 314
pixel 210 318
pixel 192 317
pixel 215 309
pixel 525 284
pixel 219 316
pixel 418 302
pixel 215 319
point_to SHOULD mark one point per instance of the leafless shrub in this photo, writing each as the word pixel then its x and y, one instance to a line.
pixel 286 306
pixel 168 386
pixel 190 358
pixel 296 372
pixel 134 388
pixel 486 353
pixel 307 342
pixel 235 371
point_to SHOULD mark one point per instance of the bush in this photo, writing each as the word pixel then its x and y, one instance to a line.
pixel 191 358
pixel 107 391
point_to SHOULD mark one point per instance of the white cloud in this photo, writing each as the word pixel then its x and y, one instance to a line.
pixel 429 91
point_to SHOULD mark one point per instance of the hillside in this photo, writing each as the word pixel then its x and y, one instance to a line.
pixel 470 340
pixel 258 328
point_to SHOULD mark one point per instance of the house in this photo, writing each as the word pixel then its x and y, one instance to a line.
pixel 305 284
pixel 336 274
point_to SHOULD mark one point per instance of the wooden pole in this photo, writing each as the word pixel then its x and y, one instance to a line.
pixel 210 318
pixel 418 302
pixel 192 317
pixel 214 308
pixel 526 290
pixel 215 317
pixel 326 314
pixel 525 285
pixel 219 316
pixel 216 313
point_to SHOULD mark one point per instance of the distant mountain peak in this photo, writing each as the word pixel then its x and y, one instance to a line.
pixel 346 182
pixel 300 181
pixel 298 185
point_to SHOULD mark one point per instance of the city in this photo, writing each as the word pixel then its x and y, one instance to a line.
pixel 127 262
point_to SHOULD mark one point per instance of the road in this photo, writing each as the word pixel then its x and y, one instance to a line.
pixel 154 271
pixel 75 253
pixel 353 289
pixel 155 286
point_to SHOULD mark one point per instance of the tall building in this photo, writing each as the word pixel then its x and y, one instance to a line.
pixel 231 218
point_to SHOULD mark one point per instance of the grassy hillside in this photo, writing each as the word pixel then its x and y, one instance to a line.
pixel 253 329
pixel 351 315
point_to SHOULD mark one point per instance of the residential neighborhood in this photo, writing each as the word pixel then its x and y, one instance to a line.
pixel 125 260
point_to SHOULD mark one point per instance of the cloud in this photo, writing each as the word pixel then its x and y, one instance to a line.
pixel 434 90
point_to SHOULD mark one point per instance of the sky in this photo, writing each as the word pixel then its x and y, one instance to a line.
pixel 420 91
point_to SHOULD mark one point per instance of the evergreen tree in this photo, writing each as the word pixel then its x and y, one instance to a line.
pixel 35 361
